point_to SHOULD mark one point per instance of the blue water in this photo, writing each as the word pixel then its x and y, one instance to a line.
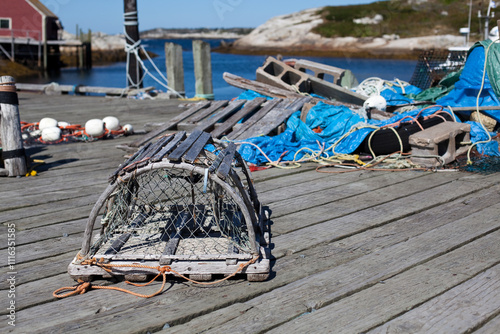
pixel 242 65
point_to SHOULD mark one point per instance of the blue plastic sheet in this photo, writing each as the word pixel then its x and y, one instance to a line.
pixel 467 88
pixel 335 122
pixel 477 134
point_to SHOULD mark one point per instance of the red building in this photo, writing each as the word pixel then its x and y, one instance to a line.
pixel 28 19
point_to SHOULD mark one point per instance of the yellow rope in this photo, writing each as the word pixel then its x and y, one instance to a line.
pixel 469 161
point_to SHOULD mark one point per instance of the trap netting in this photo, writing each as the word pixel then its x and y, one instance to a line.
pixel 434 65
pixel 171 212
pixel 186 202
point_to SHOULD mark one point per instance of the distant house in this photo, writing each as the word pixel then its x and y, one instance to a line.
pixel 28 19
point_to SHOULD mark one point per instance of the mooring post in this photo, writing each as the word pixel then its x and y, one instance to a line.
pixel 203 70
pixel 133 42
pixel 13 153
pixel 175 67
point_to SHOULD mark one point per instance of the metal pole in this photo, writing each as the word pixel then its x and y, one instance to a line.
pixel 470 16
pixel 132 40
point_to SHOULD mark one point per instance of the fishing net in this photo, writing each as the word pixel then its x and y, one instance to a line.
pixel 168 212
pixel 434 65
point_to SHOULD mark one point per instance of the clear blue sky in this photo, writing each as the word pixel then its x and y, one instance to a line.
pixel 107 15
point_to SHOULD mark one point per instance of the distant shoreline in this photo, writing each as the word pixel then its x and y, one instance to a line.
pixel 399 54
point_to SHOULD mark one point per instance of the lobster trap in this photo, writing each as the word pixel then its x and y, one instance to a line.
pixel 185 202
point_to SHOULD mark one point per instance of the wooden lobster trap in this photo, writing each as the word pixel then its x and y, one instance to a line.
pixel 185 202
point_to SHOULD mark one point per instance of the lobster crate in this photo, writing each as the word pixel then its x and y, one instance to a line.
pixel 186 202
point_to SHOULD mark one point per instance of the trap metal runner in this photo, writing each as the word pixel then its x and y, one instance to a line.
pixel 184 201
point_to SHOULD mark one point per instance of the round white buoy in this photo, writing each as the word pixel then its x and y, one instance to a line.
pixel 62 124
pixel 94 127
pixel 375 102
pixel 36 133
pixel 51 134
pixel 112 123
pixel 128 128
pixel 47 122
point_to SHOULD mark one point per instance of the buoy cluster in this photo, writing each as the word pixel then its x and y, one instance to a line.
pixel 50 131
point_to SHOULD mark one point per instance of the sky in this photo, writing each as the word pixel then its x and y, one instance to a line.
pixel 107 15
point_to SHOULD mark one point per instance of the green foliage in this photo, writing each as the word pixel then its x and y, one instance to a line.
pixel 400 17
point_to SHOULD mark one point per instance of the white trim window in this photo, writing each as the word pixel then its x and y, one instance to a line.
pixel 5 23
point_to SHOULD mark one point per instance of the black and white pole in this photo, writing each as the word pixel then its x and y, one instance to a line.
pixel 132 44
pixel 13 153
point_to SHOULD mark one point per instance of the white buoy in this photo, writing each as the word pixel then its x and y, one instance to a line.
pixel 375 102
pixel 51 134
pixel 112 123
pixel 47 122
pixel 128 128
pixel 94 127
pixel 63 124
pixel 36 133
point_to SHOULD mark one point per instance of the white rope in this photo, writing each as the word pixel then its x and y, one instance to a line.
pixel 134 48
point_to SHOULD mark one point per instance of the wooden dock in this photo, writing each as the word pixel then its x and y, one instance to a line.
pixel 361 252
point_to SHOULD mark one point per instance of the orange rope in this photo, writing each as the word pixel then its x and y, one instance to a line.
pixel 83 287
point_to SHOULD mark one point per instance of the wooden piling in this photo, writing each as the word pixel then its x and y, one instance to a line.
pixel 203 70
pixel 175 67
pixel 13 153
pixel 134 70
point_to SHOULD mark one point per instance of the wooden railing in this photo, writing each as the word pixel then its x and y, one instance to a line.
pixel 21 33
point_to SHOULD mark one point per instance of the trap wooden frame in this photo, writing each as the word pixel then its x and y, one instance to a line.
pixel 183 154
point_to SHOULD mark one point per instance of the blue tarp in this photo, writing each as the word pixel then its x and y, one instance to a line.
pixel 335 122
pixel 467 88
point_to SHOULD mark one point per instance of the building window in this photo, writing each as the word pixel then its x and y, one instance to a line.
pixel 5 23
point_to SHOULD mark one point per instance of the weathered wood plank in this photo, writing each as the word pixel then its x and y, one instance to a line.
pixel 171 123
pixel 316 291
pixel 491 327
pixel 378 303
pixel 16 202
pixel 225 165
pixel 118 244
pixel 37 234
pixel 179 136
pixel 197 147
pixel 359 220
pixel 338 281
pixel 269 105
pixel 461 309
pixel 274 118
pixel 362 311
pixel 397 238
pixel 216 105
pixel 257 86
pixel 13 152
pixel 208 123
pixel 373 191
pixel 39 269
pixel 183 147
pixel 248 108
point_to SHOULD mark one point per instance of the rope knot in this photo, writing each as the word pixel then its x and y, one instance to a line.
pixel 82 287
pixel 164 269
pixel 79 289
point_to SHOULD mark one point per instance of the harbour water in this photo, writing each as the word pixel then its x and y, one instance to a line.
pixel 242 65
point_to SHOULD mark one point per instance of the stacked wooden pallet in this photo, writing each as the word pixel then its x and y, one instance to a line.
pixel 235 120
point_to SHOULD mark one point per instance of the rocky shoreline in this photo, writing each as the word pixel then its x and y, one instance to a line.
pixel 293 35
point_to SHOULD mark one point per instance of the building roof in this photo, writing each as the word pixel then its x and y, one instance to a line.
pixel 41 8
